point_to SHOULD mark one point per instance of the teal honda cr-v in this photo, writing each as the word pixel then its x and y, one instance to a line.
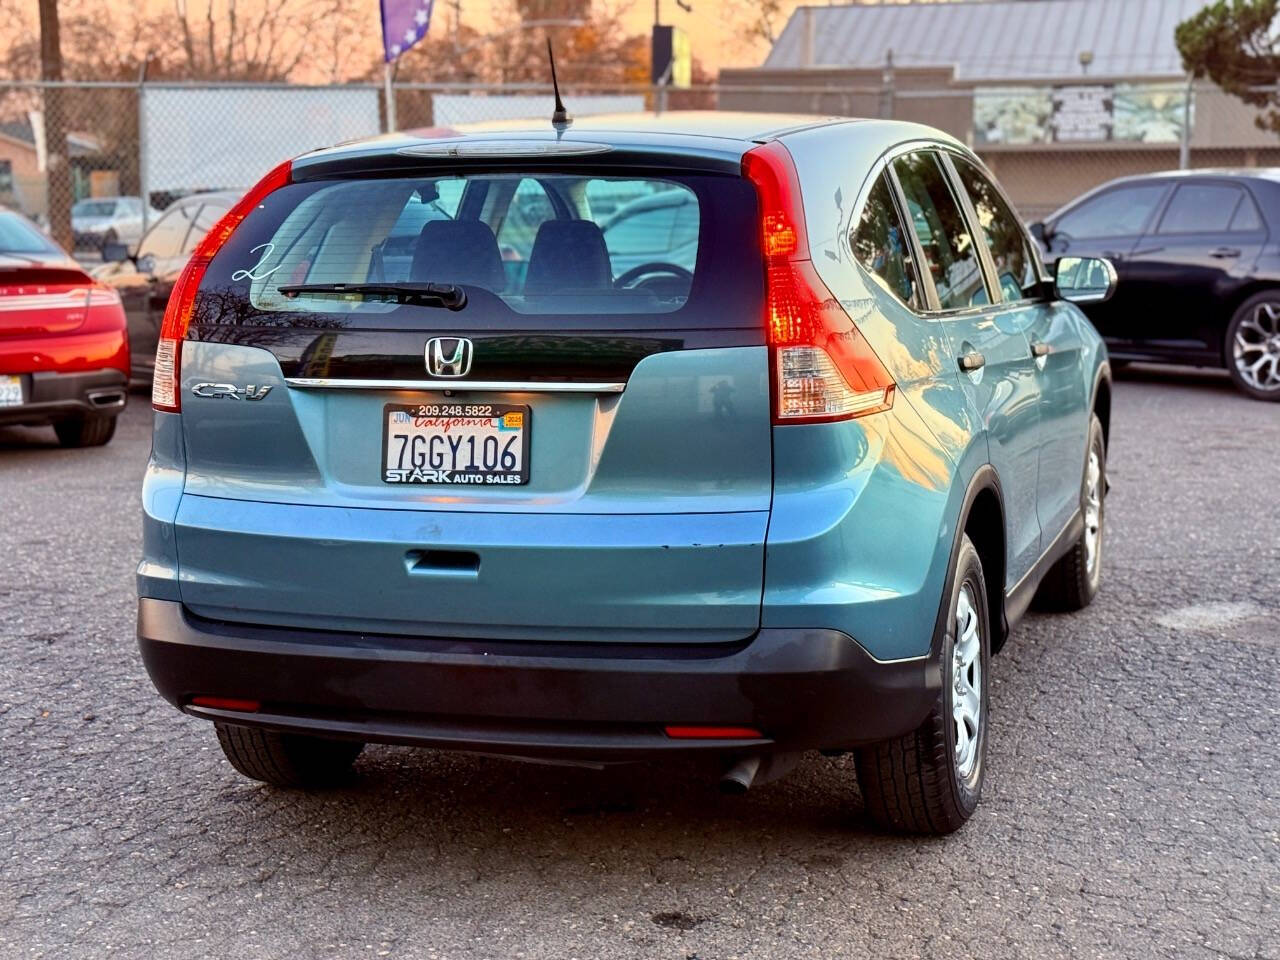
pixel 440 461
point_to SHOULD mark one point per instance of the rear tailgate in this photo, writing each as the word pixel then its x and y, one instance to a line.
pixel 635 420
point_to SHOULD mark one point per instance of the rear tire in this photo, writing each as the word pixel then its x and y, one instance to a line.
pixel 287 759
pixel 929 781
pixel 1072 582
pixel 88 431
pixel 1253 346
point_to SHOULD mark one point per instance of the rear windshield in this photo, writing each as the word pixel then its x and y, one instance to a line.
pixel 18 236
pixel 518 244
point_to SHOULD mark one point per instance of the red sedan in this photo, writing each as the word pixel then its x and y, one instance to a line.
pixel 64 350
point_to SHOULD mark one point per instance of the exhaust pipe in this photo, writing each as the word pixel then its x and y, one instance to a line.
pixel 738 778
pixel 106 398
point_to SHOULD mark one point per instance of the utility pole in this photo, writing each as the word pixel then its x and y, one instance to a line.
pixel 57 167
pixel 1184 140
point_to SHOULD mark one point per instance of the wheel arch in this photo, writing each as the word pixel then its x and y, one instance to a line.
pixel 1100 403
pixel 981 517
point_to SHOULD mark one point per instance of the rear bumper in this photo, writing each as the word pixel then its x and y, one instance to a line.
pixel 589 701
pixel 50 396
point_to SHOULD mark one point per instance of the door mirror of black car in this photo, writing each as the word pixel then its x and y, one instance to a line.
pixel 1084 279
pixel 1039 231
pixel 114 253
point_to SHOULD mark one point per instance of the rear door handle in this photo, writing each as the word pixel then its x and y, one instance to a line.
pixel 971 361
pixel 1225 253
pixel 1039 349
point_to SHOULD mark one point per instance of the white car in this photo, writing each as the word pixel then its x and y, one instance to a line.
pixel 96 221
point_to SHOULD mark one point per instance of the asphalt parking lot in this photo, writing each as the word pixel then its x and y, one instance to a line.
pixel 1132 808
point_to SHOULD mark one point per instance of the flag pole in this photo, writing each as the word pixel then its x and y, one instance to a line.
pixel 388 71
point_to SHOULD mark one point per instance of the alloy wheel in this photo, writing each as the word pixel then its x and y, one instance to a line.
pixel 966 678
pixel 1256 348
pixel 1092 512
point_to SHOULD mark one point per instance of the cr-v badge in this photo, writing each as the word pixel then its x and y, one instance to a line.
pixel 449 356
pixel 230 391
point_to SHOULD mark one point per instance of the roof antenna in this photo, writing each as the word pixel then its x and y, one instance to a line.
pixel 560 118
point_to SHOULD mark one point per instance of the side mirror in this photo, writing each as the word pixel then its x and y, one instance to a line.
pixel 114 253
pixel 1038 231
pixel 146 264
pixel 1084 279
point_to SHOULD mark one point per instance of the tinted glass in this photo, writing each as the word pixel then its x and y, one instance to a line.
pixel 529 208
pixel 1015 267
pixel 1116 213
pixel 167 235
pixel 938 223
pixel 536 244
pixel 641 231
pixel 209 214
pixel 685 233
pixel 18 236
pixel 881 245
pixel 1200 208
pixel 1246 219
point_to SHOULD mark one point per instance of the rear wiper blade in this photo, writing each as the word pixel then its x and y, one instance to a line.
pixel 448 295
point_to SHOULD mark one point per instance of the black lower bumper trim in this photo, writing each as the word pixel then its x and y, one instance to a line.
pixel 801 688
pixel 49 396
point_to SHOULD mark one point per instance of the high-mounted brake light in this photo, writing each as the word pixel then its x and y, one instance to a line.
pixel 824 369
pixel 177 313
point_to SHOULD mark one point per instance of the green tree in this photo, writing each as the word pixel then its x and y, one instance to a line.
pixel 1234 44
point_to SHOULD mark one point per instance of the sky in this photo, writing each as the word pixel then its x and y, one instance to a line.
pixel 715 40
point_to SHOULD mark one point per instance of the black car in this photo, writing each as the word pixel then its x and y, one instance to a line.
pixel 144 276
pixel 1198 259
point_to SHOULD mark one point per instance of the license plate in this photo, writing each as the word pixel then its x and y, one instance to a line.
pixel 467 444
pixel 10 391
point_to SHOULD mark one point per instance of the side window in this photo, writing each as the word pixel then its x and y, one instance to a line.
pixel 684 237
pixel 641 231
pixel 881 245
pixel 208 215
pixel 449 195
pixel 942 231
pixel 1015 267
pixel 167 235
pixel 1116 213
pixel 530 207
pixel 1246 219
pixel 1200 208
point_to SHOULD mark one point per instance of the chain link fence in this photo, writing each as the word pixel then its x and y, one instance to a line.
pixel 69 150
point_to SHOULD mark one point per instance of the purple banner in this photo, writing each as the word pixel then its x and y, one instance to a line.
pixel 404 23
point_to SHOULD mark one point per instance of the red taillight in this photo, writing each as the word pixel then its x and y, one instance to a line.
pixel 177 313
pixel 713 733
pixel 227 703
pixel 824 369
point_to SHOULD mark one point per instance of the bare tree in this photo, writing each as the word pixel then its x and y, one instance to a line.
pixel 760 21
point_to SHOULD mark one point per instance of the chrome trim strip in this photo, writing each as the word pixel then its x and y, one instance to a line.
pixel 456 386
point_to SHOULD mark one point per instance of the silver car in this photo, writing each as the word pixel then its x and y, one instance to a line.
pixel 97 221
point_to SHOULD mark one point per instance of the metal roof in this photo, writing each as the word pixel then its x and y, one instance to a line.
pixel 1000 40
